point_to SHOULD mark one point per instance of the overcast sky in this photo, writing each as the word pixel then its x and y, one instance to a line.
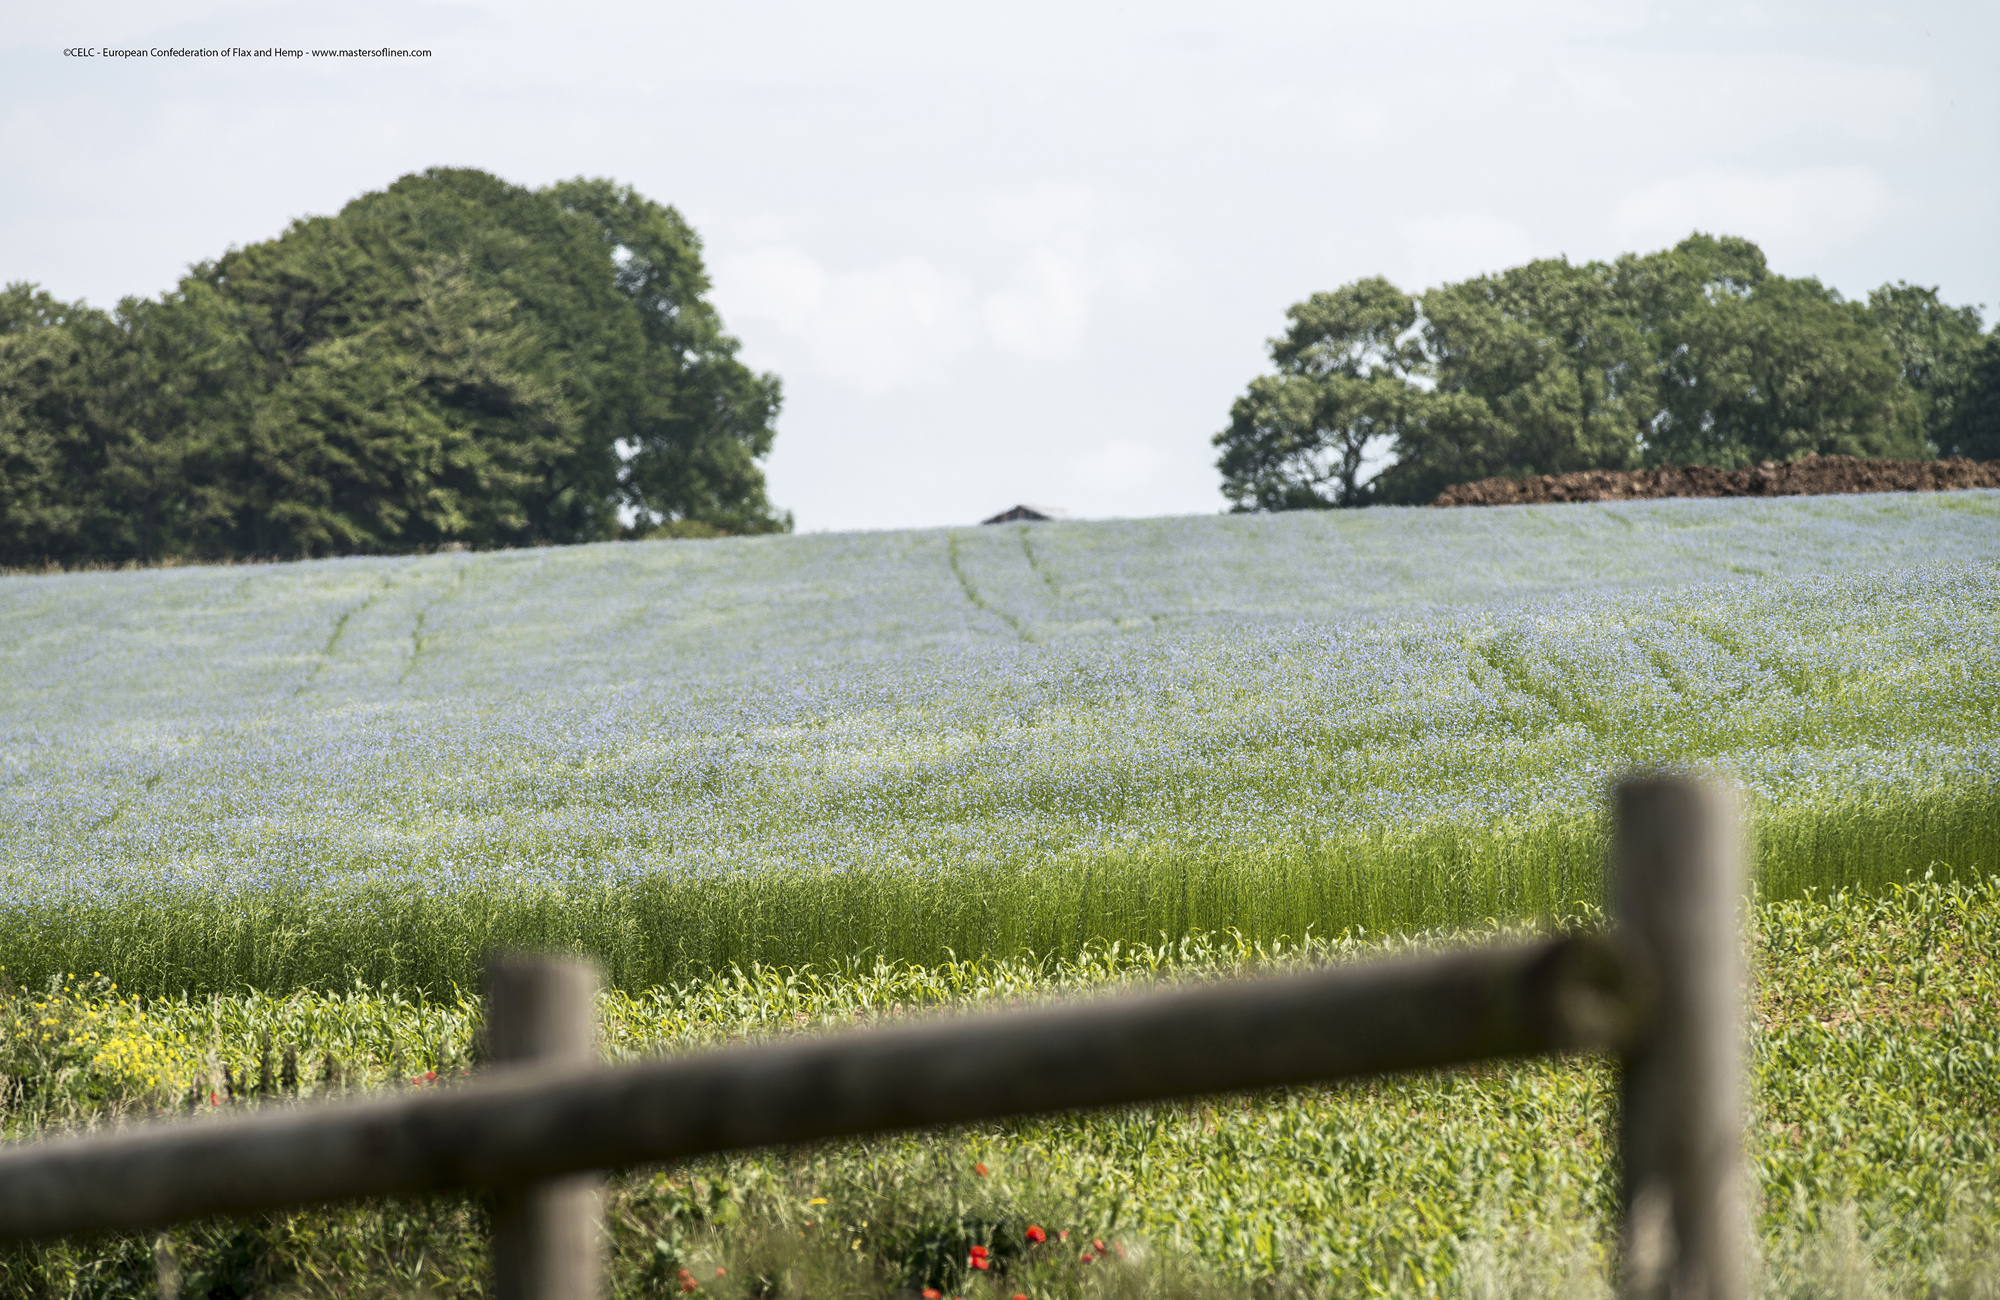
pixel 1029 252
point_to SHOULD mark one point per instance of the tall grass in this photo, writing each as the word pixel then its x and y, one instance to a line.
pixel 661 929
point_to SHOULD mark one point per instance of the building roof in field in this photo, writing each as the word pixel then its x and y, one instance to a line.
pixel 1026 515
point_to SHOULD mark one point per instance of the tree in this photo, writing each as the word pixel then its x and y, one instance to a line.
pixel 1694 355
pixel 1937 347
pixel 1974 430
pixel 1445 438
pixel 438 362
pixel 1301 438
pixel 70 453
pixel 452 359
pixel 1754 367
pixel 699 419
pixel 1540 369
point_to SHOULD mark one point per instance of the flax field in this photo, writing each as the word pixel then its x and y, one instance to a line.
pixel 259 823
pixel 997 742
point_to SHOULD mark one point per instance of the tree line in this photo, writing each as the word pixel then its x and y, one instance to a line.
pixel 1697 355
pixel 451 360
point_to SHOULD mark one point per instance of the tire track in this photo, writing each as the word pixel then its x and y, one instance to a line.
pixel 978 602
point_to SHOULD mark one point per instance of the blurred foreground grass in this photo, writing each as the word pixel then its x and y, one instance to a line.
pixel 1874 1140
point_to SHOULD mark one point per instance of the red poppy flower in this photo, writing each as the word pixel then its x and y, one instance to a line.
pixel 1020 1295
pixel 215 1099
pixel 980 1170
pixel 689 1284
pixel 978 1252
pixel 1099 1244
pixel 932 1293
pixel 979 1261
pixel 722 1272
pixel 1036 1235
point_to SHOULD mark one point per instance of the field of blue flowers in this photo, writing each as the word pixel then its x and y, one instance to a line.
pixel 996 740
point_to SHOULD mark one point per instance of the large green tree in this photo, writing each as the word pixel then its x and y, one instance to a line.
pixel 1754 366
pixel 436 366
pixel 1974 427
pixel 1300 438
pixel 48 439
pixel 1540 369
pixel 452 359
pixel 1940 350
pixel 698 420
pixel 1697 354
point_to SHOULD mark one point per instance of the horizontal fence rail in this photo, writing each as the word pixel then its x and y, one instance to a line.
pixel 521 1123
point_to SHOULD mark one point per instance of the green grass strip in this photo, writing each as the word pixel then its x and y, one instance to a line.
pixel 663 929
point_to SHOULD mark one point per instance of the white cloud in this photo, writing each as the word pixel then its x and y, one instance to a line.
pixel 879 328
pixel 1042 314
pixel 1120 466
pixel 1796 214
pixel 1365 122
pixel 1046 212
pixel 764 228
pixel 1043 310
pixel 1741 101
pixel 779 284
pixel 874 329
pixel 1447 248
pixel 1137 266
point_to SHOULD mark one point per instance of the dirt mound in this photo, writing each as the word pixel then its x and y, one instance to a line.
pixel 1813 476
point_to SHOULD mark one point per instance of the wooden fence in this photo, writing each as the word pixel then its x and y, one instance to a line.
pixel 1662 990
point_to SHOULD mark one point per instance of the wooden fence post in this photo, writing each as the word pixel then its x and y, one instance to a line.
pixel 545 1234
pixel 1677 894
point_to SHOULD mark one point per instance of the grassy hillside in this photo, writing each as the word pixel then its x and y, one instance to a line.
pixel 992 740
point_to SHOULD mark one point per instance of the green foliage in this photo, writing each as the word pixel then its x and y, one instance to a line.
pixel 1781 371
pixel 1974 430
pixel 1873 1140
pixel 430 364
pixel 699 419
pixel 1299 439
pixel 1693 355
pixel 453 360
pixel 1939 348
pixel 69 464
pixel 1553 357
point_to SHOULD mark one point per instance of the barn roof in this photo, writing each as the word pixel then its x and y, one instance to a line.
pixel 1025 514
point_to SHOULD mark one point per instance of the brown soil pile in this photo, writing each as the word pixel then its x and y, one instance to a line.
pixel 1813 476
